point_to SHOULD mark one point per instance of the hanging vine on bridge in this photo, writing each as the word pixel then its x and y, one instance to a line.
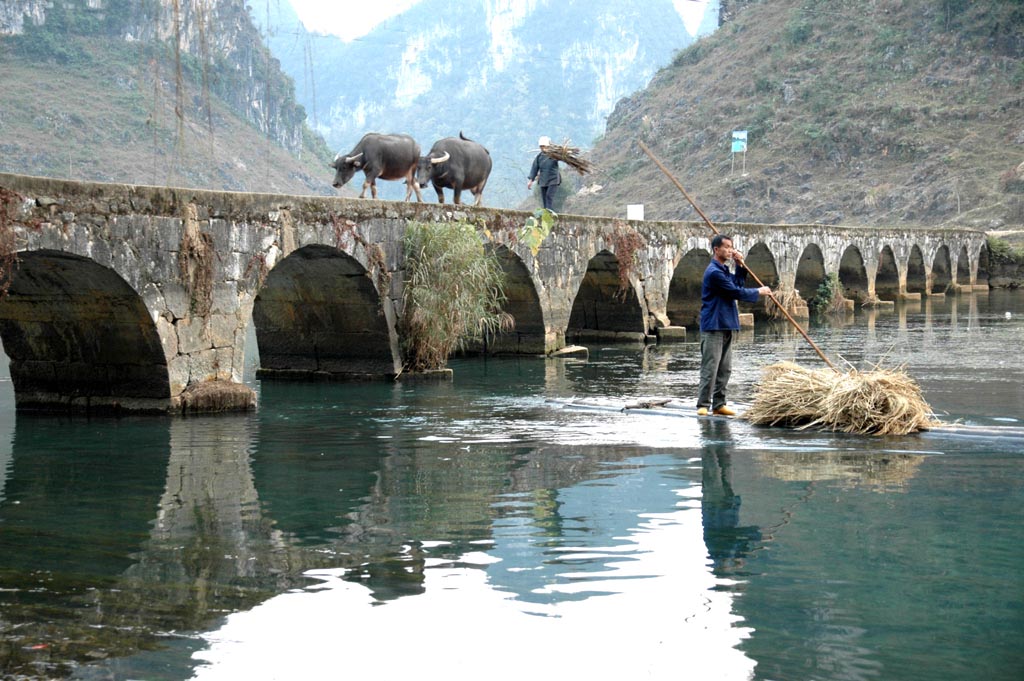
pixel 195 263
pixel 627 241
pixel 8 249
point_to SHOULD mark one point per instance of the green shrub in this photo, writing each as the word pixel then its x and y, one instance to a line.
pixel 536 229
pixel 797 31
pixel 454 291
pixel 763 85
pixel 829 296
pixel 691 55
pixel 1001 250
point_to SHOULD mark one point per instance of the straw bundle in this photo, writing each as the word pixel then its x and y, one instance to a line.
pixel 569 155
pixel 881 402
pixel 785 296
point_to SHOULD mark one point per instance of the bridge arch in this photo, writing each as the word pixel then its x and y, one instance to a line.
pixel 810 271
pixel 602 310
pixel 984 265
pixel 319 314
pixel 683 304
pixel 80 337
pixel 963 267
pixel 761 262
pixel 916 277
pixel 523 303
pixel 853 275
pixel 887 278
pixel 941 276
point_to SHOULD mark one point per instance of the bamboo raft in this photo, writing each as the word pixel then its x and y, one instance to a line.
pixel 669 406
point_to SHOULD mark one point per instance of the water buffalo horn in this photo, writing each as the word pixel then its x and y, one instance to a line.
pixel 441 159
pixel 351 159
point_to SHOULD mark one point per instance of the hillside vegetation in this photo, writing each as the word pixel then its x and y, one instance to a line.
pixel 82 102
pixel 866 112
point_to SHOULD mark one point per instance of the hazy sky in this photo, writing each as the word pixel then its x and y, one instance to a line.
pixel 351 19
pixel 347 19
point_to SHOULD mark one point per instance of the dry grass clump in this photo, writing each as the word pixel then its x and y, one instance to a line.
pixel 786 296
pixel 881 402
pixel 569 155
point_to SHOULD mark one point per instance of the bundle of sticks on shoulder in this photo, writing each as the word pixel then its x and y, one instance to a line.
pixel 569 155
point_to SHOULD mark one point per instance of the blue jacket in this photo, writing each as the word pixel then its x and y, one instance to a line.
pixel 718 295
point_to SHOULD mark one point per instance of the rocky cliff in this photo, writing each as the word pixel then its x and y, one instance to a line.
pixel 215 35
pixel 93 85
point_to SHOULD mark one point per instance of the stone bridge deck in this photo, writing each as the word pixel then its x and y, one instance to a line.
pixel 136 297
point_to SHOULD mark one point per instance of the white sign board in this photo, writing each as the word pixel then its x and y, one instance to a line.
pixel 635 211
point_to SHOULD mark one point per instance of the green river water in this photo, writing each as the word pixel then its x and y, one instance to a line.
pixel 489 529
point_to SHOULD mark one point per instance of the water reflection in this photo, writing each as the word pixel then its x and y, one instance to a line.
pixel 727 540
pixel 460 521
pixel 76 509
pixel 881 471
pixel 209 549
pixel 614 565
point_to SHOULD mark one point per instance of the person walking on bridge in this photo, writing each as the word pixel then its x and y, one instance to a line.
pixel 545 171
pixel 719 321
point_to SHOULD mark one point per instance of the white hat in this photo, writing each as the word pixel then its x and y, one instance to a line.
pixel 544 141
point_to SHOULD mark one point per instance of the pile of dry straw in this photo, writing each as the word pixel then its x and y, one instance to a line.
pixel 882 402
pixel 569 155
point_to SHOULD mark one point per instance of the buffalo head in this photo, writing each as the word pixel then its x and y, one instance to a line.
pixel 428 165
pixel 345 167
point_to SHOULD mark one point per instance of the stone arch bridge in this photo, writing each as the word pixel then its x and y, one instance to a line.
pixel 122 297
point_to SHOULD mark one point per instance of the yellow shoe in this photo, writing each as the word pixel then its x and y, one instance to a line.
pixel 724 411
pixel 702 411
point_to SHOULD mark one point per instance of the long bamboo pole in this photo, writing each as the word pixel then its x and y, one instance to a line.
pixel 714 230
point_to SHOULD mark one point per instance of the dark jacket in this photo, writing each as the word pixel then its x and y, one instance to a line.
pixel 547 167
pixel 718 295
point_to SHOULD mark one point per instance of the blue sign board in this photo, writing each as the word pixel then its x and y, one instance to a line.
pixel 739 141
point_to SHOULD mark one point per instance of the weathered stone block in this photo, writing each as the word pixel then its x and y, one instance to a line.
pixel 571 351
pixel 214 396
pixel 225 298
pixel 747 320
pixel 153 297
pixel 222 329
pixel 177 374
pixel 220 232
pixel 168 337
pixel 203 366
pixel 193 336
pixel 671 334
pixel 176 299
pixel 168 233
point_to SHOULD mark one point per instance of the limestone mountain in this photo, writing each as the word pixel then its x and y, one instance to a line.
pixel 503 73
pixel 860 113
pixel 180 92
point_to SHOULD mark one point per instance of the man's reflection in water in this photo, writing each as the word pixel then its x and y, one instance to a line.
pixel 727 541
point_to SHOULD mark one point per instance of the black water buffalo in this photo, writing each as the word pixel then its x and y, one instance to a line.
pixel 389 157
pixel 456 163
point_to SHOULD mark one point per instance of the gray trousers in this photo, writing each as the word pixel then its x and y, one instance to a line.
pixel 715 368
